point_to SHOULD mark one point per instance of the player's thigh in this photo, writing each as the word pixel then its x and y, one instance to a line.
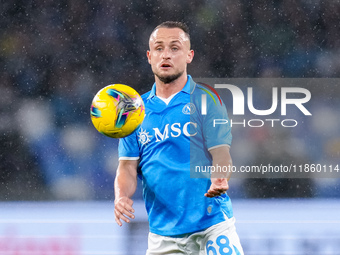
pixel 158 245
pixel 221 239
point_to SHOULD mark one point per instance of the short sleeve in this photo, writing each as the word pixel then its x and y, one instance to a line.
pixel 128 148
pixel 216 125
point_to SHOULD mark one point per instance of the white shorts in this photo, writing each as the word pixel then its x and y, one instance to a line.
pixel 219 239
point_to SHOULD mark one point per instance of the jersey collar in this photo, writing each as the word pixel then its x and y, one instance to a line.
pixel 188 88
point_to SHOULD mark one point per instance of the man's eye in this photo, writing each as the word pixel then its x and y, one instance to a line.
pixel 174 48
pixel 158 49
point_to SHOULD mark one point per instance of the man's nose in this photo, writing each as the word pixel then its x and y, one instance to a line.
pixel 166 53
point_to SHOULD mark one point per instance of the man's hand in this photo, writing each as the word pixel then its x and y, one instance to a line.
pixel 123 209
pixel 218 187
pixel 125 187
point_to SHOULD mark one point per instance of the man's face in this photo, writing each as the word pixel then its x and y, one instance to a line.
pixel 169 53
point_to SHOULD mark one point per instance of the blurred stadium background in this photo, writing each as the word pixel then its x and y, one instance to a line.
pixel 57 172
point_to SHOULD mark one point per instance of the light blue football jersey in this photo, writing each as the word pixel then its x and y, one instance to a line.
pixel 173 139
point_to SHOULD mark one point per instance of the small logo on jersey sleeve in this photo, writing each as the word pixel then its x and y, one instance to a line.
pixel 189 109
pixel 144 137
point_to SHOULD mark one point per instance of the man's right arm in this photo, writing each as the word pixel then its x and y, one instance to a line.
pixel 125 187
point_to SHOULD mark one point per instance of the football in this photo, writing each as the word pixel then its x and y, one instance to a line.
pixel 117 110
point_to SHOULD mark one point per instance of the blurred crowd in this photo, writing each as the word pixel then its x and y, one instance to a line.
pixel 55 55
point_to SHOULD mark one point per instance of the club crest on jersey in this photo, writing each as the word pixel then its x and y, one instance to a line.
pixel 189 109
pixel 144 137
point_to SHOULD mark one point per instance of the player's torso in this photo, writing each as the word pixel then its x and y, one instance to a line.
pixel 167 139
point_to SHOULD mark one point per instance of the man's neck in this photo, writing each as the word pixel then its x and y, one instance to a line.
pixel 165 90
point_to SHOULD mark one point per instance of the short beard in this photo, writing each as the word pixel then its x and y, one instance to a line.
pixel 169 78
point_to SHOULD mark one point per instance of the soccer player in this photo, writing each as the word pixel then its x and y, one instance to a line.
pixel 187 215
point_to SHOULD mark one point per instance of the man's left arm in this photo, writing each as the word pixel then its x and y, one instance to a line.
pixel 219 180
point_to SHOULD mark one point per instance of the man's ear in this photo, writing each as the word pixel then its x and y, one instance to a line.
pixel 148 54
pixel 190 56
